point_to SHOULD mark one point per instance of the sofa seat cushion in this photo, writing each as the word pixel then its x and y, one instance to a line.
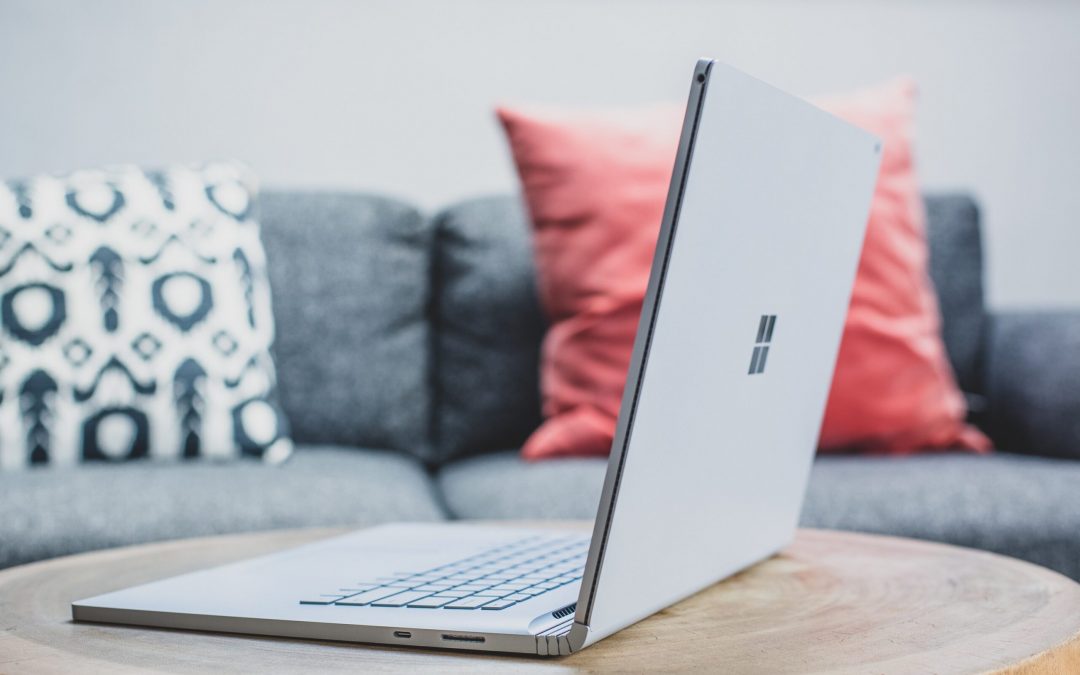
pixel 62 511
pixel 1024 507
pixel 501 485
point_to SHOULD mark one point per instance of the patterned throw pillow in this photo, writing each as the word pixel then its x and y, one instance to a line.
pixel 135 319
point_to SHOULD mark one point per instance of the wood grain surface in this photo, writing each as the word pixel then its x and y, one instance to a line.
pixel 832 602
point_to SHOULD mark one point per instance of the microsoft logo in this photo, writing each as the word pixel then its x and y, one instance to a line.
pixel 761 347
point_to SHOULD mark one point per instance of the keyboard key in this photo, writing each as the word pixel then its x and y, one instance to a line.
pixel 499 604
pixel 528 569
pixel 432 601
pixel 322 599
pixel 400 599
pixel 471 602
pixel 517 597
pixel 392 581
pixel 368 597
pixel 431 588
pixel 382 584
pixel 453 593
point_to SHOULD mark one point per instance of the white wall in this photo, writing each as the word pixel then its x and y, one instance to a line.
pixel 397 96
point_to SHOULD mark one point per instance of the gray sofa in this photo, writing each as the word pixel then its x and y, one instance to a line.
pixel 407 356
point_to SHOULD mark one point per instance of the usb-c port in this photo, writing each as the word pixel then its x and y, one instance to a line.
pixel 402 634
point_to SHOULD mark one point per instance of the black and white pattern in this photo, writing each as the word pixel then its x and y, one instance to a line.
pixel 135 319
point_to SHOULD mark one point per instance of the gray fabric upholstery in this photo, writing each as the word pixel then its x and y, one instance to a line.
pixel 1033 383
pixel 487 327
pixel 350 281
pixel 956 270
pixel 501 485
pixel 1023 507
pixel 60 511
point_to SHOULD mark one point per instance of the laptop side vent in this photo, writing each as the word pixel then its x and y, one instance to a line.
pixel 565 611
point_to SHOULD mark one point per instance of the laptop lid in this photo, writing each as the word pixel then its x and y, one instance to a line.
pixel 735 349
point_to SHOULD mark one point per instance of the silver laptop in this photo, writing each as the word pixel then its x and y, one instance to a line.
pixel 723 405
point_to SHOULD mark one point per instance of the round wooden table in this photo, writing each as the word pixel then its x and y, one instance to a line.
pixel 835 602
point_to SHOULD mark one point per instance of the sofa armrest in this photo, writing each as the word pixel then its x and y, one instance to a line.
pixel 1033 383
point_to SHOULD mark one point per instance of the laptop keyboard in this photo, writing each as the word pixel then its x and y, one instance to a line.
pixel 494 579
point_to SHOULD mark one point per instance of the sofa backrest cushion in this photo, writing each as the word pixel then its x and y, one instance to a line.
pixel 350 276
pixel 488 324
pixel 956 268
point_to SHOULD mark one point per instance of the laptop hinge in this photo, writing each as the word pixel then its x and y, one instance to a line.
pixel 555 640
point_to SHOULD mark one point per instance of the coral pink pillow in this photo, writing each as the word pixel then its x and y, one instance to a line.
pixel 893 389
pixel 595 184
